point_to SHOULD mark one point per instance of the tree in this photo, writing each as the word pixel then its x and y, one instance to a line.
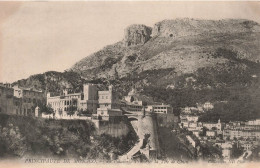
pixel 236 151
pixel 85 112
pixel 46 109
pixel 71 110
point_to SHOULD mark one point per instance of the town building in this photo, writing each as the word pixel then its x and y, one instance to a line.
pixel 192 118
pixel 196 133
pixel 247 145
pixel 19 100
pixel 208 106
pixel 218 125
pixel 30 99
pixel 253 122
pixel 108 99
pixel 236 133
pixel 160 108
pixel 74 102
pixel 132 103
pixel 64 103
pixel 191 141
pixel 211 133
pixel 8 103
pixel 109 105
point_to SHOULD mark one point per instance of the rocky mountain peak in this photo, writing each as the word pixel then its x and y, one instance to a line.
pixel 137 34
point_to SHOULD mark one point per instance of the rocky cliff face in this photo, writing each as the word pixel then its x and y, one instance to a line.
pixel 137 34
pixel 190 27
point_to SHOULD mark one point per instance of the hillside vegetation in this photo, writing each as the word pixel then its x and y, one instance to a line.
pixel 32 137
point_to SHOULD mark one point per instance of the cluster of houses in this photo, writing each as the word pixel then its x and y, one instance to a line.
pixel 245 135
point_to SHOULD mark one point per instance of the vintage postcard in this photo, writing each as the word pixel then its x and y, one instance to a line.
pixel 129 83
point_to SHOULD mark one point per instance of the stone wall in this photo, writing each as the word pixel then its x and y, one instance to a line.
pixel 115 126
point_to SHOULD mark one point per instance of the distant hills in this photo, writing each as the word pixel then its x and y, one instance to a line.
pixel 181 62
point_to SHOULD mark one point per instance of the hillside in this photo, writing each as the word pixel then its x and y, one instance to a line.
pixel 31 137
pixel 180 62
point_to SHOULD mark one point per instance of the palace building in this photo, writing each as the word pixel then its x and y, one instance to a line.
pixel 63 104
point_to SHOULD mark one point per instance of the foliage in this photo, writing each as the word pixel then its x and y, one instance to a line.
pixel 24 136
pixel 236 151
pixel 46 109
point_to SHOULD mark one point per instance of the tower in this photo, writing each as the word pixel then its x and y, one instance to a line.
pixel 90 92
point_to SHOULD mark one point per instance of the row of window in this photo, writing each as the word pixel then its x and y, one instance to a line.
pixel 66 102
pixel 105 97
pixel 160 107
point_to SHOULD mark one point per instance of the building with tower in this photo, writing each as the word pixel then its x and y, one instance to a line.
pixel 219 126
pixel 74 102
pixel 108 103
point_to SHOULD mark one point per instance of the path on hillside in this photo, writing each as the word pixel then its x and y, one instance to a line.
pixel 128 155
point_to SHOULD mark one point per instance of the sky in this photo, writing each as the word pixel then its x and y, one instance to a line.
pixel 36 37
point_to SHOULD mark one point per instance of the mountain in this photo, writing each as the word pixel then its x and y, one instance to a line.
pixel 183 44
pixel 182 62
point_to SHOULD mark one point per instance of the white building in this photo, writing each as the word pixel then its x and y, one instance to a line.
pixel 247 145
pixel 253 122
pixel 162 108
pixel 218 125
pixel 191 141
pixel 65 103
pixel 211 133
pixel 208 106
pixel 191 118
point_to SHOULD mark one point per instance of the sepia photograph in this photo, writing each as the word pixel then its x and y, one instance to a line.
pixel 117 83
